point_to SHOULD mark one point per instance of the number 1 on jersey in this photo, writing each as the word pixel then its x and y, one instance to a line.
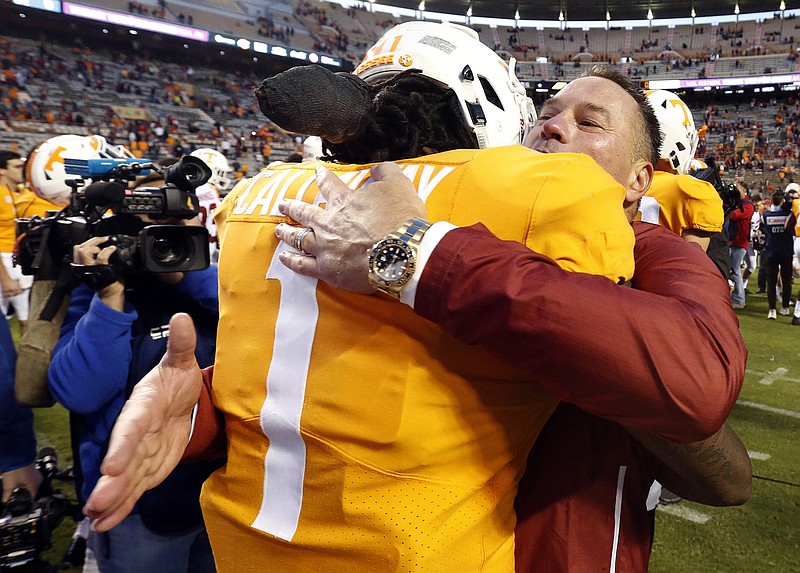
pixel 285 462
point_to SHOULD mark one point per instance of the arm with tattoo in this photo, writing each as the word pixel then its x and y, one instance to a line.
pixel 715 471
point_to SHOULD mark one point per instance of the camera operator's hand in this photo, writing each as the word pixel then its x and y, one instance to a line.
pixel 27 477
pixel 90 254
pixel 152 431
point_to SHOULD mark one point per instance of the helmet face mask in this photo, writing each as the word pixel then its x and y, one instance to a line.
pixel 493 101
pixel 677 125
pixel 44 168
pixel 222 174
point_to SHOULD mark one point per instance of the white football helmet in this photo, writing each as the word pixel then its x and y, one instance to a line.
pixel 677 126
pixel 222 174
pixel 792 187
pixel 44 168
pixel 493 101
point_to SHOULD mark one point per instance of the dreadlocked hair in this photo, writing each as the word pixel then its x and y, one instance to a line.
pixel 411 115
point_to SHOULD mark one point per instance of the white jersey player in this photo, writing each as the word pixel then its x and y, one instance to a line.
pixel 211 193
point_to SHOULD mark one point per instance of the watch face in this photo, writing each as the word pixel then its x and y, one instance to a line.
pixel 392 262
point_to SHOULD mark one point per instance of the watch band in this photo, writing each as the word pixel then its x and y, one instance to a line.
pixel 409 236
pixel 411 232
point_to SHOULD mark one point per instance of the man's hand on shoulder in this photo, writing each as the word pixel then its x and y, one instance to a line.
pixel 336 251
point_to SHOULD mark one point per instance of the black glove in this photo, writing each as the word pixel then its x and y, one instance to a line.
pixel 312 100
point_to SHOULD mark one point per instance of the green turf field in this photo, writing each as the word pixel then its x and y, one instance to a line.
pixel 764 534
pixel 761 536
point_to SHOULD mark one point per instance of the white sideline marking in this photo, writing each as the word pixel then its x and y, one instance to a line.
pixel 766 408
pixel 770 377
pixel 684 513
pixel 758 455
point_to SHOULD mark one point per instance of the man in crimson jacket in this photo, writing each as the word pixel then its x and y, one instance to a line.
pixel 738 241
pixel 536 316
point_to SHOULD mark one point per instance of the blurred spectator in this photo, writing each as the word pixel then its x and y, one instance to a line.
pixel 738 241
pixel 778 225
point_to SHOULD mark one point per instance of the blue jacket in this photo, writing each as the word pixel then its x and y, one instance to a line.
pixel 780 239
pixel 17 441
pixel 103 353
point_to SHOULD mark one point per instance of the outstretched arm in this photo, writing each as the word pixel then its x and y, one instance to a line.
pixel 152 432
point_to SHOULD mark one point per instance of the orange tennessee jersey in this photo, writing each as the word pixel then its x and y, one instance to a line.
pixel 363 438
pixel 682 202
pixel 24 203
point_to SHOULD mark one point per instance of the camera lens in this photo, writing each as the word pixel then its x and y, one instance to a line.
pixel 172 251
pixel 192 172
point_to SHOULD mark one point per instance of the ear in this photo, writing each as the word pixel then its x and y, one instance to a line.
pixel 641 178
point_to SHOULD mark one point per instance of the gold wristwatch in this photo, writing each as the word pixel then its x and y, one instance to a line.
pixel 393 259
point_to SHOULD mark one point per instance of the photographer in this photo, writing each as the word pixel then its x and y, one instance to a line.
pixel 17 441
pixel 111 337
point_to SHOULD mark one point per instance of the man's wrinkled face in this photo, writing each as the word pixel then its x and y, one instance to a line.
pixel 593 116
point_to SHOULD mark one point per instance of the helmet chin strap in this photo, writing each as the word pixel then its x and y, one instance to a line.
pixel 477 114
pixel 474 107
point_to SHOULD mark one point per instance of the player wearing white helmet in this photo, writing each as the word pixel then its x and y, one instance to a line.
pixel 18 202
pixel 222 174
pixel 492 100
pixel 677 127
pixel 688 206
pixel 44 169
pixel 490 107
pixel 211 193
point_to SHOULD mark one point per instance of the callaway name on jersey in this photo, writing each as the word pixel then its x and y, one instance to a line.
pixel 681 203
pixel 363 438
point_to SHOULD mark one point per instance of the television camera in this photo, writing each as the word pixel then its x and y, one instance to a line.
pixel 107 207
pixel 27 524
pixel 731 200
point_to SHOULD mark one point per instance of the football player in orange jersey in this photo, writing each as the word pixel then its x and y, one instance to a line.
pixel 689 207
pixel 244 213
pixel 16 201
